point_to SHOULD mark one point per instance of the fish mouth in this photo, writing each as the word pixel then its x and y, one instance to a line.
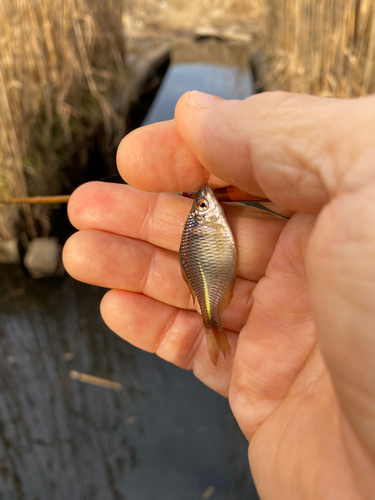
pixel 205 188
pixel 202 191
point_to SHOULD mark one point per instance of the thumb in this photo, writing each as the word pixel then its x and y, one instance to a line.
pixel 300 151
pixel 303 152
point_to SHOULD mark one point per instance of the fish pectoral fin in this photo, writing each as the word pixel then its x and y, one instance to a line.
pixel 188 284
pixel 228 295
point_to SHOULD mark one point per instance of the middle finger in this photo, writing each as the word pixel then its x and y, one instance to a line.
pixel 159 219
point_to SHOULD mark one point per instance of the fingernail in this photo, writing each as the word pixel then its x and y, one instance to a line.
pixel 202 100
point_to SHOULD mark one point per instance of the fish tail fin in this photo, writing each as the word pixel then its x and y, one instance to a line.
pixel 221 339
pixel 213 346
pixel 217 339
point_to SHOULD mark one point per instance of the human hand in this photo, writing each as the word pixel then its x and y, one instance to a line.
pixel 301 374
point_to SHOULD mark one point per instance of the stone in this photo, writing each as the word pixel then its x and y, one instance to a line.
pixel 44 258
pixel 9 253
pixel 233 33
pixel 207 31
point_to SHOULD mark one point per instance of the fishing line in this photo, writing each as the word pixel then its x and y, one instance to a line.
pixel 113 177
pixel 205 174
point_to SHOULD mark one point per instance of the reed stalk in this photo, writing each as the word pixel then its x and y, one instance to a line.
pixel 322 47
pixel 61 61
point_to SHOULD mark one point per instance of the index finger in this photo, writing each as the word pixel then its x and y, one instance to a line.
pixel 155 158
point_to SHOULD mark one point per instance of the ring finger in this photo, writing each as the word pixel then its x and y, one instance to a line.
pixel 114 261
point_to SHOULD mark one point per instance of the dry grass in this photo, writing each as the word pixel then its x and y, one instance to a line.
pixel 323 47
pixel 187 15
pixel 60 61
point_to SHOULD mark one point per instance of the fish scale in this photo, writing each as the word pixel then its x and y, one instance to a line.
pixel 208 259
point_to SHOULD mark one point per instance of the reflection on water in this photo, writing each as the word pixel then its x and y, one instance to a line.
pixel 163 436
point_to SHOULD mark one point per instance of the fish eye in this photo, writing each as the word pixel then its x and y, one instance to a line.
pixel 202 203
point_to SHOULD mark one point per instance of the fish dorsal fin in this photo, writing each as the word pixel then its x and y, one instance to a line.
pixel 228 296
pixel 188 284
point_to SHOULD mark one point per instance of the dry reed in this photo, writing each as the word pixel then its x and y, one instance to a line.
pixel 60 61
pixel 187 15
pixel 322 47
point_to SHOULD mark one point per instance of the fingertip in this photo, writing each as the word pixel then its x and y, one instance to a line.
pixel 197 100
pixel 112 312
pixel 129 156
pixel 80 202
pixel 123 312
pixel 82 256
pixel 71 255
pixel 154 158
pixel 109 307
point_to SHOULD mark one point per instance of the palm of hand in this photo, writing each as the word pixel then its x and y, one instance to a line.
pixel 281 391
pixel 275 377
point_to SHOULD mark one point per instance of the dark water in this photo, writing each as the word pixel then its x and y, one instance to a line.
pixel 163 436
pixel 229 82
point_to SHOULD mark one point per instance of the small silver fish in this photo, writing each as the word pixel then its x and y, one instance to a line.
pixel 208 260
